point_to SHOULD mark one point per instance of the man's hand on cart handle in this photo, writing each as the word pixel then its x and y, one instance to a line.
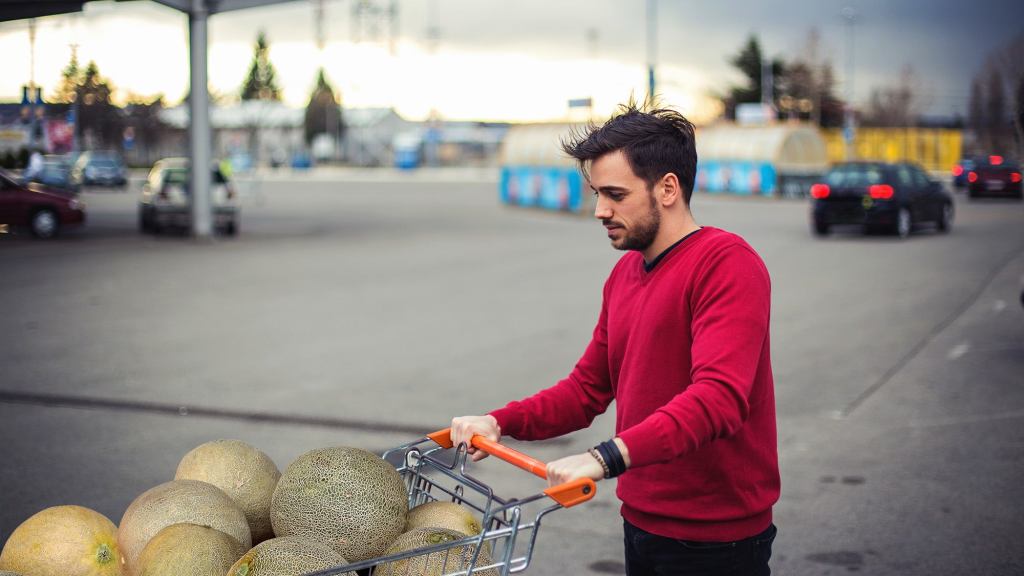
pixel 581 466
pixel 465 427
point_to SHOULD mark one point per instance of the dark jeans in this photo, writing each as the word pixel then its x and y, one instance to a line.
pixel 651 555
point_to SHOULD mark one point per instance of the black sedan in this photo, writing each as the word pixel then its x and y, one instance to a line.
pixel 878 195
pixel 995 176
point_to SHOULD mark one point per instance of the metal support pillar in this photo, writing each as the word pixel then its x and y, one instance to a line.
pixel 200 134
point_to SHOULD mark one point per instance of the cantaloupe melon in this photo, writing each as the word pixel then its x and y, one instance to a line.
pixel 175 502
pixel 246 474
pixel 189 549
pixel 348 498
pixel 63 541
pixel 288 556
pixel 6 573
pixel 436 563
pixel 443 515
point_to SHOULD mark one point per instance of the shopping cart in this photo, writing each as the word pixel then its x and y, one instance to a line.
pixel 433 471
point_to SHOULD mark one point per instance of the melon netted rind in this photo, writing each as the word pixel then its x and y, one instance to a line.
pixel 6 573
pixel 189 549
pixel 438 514
pixel 177 502
pixel 288 556
pixel 348 498
pixel 437 563
pixel 63 541
pixel 242 471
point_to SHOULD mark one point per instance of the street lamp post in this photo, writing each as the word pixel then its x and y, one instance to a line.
pixel 849 14
pixel 652 47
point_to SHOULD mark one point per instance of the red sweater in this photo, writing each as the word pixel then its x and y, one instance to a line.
pixel 684 351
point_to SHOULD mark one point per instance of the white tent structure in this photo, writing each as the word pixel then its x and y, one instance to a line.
pixel 776 159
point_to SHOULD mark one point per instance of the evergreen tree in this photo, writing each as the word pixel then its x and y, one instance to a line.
pixel 99 121
pixel 70 79
pixel 323 113
pixel 749 62
pixel 261 82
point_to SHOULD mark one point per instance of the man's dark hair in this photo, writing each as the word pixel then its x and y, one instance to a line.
pixel 655 141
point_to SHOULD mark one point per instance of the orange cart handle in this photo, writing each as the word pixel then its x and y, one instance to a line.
pixel 567 494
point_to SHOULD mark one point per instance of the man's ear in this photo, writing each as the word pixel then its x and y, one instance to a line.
pixel 671 191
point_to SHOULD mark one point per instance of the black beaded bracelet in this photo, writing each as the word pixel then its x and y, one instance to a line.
pixel 600 460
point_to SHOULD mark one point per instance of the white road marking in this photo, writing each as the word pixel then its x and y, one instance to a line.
pixel 958 351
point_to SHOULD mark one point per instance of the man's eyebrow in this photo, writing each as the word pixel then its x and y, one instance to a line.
pixel 609 189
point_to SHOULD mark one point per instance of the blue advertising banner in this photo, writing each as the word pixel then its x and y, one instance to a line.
pixel 749 178
pixel 552 188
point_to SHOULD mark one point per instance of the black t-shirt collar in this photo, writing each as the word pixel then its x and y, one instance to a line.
pixel 648 266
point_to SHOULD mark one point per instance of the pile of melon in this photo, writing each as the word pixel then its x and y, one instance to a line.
pixel 229 511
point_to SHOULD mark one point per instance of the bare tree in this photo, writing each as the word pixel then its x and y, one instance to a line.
pixel 976 117
pixel 895 105
pixel 997 99
pixel 807 87
pixel 1019 117
pixel 996 113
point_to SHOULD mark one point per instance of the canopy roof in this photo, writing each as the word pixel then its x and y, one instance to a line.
pixel 788 147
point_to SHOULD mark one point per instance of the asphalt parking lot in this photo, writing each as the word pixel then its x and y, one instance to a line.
pixel 369 310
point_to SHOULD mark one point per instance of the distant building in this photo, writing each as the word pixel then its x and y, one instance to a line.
pixel 271 132
pixel 264 131
pixel 370 135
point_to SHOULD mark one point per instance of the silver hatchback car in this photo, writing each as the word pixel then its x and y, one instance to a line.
pixel 166 200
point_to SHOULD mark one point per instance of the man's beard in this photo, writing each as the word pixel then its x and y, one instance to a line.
pixel 641 235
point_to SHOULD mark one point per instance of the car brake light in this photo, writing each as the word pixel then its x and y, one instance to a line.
pixel 995 160
pixel 1015 177
pixel 972 177
pixel 958 170
pixel 820 191
pixel 880 191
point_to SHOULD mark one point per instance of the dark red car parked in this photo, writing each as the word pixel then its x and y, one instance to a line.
pixel 44 211
pixel 995 176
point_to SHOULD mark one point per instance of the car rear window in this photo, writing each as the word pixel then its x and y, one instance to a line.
pixel 854 176
pixel 180 176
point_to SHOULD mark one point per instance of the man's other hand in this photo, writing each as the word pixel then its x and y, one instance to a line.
pixel 465 427
pixel 572 467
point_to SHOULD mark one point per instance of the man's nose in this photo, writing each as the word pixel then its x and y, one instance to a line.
pixel 602 211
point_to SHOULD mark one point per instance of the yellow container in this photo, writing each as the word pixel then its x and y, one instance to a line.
pixel 936 149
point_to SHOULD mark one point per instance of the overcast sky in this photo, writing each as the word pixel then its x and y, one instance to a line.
pixel 541 47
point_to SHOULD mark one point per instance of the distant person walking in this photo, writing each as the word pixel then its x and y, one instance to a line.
pixel 35 166
pixel 681 345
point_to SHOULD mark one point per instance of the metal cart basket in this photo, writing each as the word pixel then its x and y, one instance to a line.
pixel 433 471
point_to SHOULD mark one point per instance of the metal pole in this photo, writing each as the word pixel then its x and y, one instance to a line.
pixel 767 82
pixel 201 140
pixel 849 120
pixel 652 47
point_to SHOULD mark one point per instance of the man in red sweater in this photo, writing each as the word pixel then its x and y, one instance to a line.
pixel 682 346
